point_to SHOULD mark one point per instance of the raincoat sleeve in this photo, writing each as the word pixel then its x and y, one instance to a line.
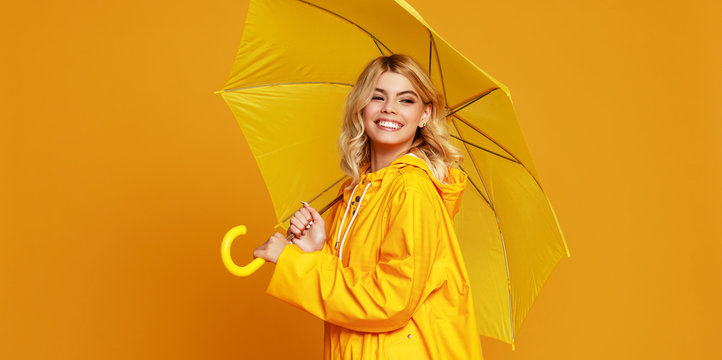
pixel 377 300
pixel 328 219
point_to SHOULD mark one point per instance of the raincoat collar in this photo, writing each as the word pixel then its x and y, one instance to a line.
pixel 450 191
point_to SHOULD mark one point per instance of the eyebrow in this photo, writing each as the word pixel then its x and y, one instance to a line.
pixel 399 93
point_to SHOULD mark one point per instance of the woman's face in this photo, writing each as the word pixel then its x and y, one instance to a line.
pixel 394 113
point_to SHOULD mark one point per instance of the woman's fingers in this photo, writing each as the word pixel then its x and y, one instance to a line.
pixel 272 248
pixel 297 233
pixel 297 225
pixel 301 220
pixel 314 215
pixel 259 251
pixel 300 225
pixel 306 215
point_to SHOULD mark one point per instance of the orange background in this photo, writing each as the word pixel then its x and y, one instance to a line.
pixel 121 171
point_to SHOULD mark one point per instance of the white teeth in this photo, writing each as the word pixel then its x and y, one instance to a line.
pixel 389 124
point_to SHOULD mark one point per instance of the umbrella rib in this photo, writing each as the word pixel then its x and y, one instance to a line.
pixel 378 47
pixel 328 206
pixel 471 100
pixel 318 195
pixel 473 162
pixel 508 282
pixel 287 83
pixel 467 123
pixel 431 47
pixel 438 63
pixel 476 187
pixel 485 149
pixel 350 22
pixel 498 226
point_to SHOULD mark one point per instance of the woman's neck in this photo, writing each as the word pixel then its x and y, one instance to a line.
pixel 381 159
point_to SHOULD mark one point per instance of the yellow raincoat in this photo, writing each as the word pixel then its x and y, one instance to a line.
pixel 400 290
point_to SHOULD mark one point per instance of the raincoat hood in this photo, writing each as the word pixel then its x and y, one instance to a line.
pixel 450 189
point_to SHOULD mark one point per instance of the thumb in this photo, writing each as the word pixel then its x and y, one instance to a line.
pixel 314 214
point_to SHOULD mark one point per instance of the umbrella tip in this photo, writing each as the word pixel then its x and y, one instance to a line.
pixel 218 91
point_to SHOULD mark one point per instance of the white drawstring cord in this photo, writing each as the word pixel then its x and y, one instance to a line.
pixel 340 226
pixel 355 213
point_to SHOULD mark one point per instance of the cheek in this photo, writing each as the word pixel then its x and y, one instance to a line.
pixel 368 113
pixel 414 115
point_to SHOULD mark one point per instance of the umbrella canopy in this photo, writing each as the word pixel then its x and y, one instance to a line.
pixel 297 62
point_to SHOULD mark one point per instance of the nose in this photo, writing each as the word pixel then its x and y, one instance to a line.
pixel 389 107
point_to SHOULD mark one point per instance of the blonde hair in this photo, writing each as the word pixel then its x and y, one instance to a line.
pixel 432 143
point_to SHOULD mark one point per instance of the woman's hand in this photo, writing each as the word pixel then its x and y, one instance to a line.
pixel 272 248
pixel 309 232
pixel 308 229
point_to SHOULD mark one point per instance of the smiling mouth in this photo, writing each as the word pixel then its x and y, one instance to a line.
pixel 388 125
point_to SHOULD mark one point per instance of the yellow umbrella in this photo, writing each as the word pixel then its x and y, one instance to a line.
pixel 296 63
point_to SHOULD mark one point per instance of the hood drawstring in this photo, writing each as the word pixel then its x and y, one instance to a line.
pixel 355 213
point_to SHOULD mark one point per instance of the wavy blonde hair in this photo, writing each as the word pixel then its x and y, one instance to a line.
pixel 432 143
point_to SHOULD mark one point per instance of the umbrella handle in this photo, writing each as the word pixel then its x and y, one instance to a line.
pixel 226 254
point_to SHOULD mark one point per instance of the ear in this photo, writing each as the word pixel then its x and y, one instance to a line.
pixel 427 112
pixel 425 116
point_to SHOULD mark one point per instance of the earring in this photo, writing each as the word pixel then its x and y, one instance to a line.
pixel 423 121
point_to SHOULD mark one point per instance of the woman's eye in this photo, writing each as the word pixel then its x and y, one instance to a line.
pixel 408 101
pixel 377 98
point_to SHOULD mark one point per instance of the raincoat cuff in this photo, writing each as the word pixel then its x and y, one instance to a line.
pixel 285 262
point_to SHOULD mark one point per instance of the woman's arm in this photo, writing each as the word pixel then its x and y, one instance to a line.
pixel 379 300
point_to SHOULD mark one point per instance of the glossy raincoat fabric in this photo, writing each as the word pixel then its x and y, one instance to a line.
pixel 401 290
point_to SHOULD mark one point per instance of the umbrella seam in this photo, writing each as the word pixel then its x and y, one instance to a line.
pixel 476 188
pixel 350 22
pixel 471 100
pixel 317 196
pixel 487 150
pixel 467 123
pixel 288 83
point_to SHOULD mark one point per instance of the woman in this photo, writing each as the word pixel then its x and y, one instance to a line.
pixel 385 271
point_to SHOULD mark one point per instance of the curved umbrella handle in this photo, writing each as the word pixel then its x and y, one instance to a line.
pixel 226 254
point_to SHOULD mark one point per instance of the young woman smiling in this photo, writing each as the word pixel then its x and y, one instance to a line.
pixel 384 269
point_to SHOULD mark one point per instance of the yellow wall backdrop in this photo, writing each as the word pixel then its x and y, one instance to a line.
pixel 121 171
